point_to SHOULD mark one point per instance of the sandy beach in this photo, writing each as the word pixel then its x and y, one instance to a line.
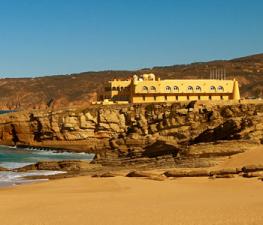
pixel 131 112
pixel 121 200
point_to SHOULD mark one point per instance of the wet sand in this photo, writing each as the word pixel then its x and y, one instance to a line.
pixel 121 201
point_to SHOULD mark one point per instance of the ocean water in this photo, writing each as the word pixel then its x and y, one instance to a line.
pixel 12 157
pixel 6 111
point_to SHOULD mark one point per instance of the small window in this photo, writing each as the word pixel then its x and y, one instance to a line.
pixel 165 97
pixel 154 98
pixel 212 88
pixel 168 88
pixel 222 97
pixel 220 88
pixel 176 88
pixel 190 88
pixel 144 88
pixel 152 88
pixel 176 97
pixel 114 88
pixel 199 97
pixel 143 98
pixel 210 97
pixel 198 88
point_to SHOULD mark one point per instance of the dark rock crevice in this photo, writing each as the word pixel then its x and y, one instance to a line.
pixel 37 127
pixel 15 138
pixel 227 131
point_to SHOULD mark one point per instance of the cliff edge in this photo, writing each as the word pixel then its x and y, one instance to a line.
pixel 184 134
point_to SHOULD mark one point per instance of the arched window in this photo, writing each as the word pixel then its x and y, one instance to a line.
pixel 190 88
pixel 212 88
pixel 114 88
pixel 152 88
pixel 144 88
pixel 198 88
pixel 176 88
pixel 220 88
pixel 168 88
pixel 118 88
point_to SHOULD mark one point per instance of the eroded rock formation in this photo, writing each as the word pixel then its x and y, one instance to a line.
pixel 163 133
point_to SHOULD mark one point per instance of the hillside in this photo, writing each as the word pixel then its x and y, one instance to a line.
pixel 80 89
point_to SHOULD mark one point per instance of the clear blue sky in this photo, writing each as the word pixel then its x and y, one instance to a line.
pixel 44 37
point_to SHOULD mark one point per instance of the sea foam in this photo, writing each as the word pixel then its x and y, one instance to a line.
pixel 8 178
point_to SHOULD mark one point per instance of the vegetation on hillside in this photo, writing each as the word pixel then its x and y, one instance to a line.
pixel 61 91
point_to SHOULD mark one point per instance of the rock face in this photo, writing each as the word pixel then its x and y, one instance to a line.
pixel 156 133
pixel 3 169
pixel 65 165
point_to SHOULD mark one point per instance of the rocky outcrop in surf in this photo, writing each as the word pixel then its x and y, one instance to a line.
pixel 3 169
pixel 63 165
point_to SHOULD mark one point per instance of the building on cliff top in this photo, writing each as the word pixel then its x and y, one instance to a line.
pixel 148 89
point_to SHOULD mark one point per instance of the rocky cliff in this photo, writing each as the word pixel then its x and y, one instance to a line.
pixel 162 133
pixel 54 92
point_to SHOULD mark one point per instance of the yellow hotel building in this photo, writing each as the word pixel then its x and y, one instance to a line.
pixel 147 89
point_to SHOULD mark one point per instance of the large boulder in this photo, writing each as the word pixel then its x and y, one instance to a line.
pixel 139 174
pixel 225 171
pixel 253 174
pixel 187 173
pixel 86 124
pixel 223 176
pixel 71 123
pixel 160 148
pixel 252 168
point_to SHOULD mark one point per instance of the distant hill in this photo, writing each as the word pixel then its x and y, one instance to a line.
pixel 61 91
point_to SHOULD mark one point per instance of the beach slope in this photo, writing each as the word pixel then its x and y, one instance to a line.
pixel 130 201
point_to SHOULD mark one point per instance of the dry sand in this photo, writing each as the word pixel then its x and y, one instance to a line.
pixel 134 201
pixel 254 156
